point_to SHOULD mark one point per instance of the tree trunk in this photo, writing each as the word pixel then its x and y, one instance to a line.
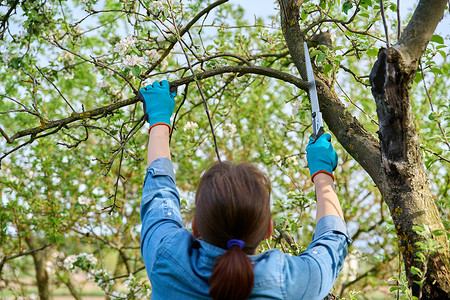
pixel 404 185
pixel 394 162
pixel 40 258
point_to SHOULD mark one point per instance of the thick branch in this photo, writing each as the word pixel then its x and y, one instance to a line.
pixel 420 29
pixel 114 106
pixel 361 145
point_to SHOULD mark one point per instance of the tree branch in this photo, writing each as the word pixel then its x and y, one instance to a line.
pixel 114 106
pixel 182 32
pixel 359 143
pixel 420 29
pixel 6 258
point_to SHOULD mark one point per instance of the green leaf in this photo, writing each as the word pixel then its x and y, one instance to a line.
pixel 320 57
pixel 15 63
pixel 393 7
pixel 314 53
pixel 418 282
pixel 209 47
pixel 365 15
pixel 394 288
pixel 437 39
pixel 372 52
pixel 436 70
pixel 347 6
pixel 418 77
pixel 416 271
pixel 432 116
pixel 136 70
pixel 418 229
pixel 327 69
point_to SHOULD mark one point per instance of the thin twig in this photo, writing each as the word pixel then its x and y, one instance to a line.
pixel 97 63
pixel 181 33
pixel 196 81
pixel 59 92
pixel 434 153
pixel 351 101
pixel 179 107
pixel 385 24
pixel 6 258
pixel 114 205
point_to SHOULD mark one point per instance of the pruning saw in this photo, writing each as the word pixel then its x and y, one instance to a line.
pixel 317 123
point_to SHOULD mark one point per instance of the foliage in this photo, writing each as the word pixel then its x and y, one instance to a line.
pixel 77 189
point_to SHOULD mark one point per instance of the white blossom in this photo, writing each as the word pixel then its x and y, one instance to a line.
pixel 6 57
pixel 67 56
pixel 190 125
pixel 83 200
pixel 104 84
pixel 293 160
pixel 151 53
pixel 91 258
pixel 134 60
pixel 49 266
pixel 295 106
pixel 231 128
pixel 161 38
pixel 158 6
pixel 128 282
pixel 119 94
pixel 79 30
pixel 277 160
pixel 69 261
pixel 164 64
pixel 69 76
pixel 125 43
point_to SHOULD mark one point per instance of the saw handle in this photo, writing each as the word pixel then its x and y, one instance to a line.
pixel 319 133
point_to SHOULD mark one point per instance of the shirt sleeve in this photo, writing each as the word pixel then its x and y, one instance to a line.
pixel 320 264
pixel 160 208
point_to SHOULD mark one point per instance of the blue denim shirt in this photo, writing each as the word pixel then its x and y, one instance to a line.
pixel 179 265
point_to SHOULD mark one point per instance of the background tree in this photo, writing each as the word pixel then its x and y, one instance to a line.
pixel 74 139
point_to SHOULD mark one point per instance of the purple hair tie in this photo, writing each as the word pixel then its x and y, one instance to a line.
pixel 235 242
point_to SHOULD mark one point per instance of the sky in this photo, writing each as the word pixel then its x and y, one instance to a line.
pixel 265 8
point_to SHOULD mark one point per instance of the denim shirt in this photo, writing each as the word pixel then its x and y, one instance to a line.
pixel 179 265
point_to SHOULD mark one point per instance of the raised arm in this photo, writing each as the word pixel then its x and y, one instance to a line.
pixel 159 104
pixel 322 160
pixel 160 205
pixel 158 144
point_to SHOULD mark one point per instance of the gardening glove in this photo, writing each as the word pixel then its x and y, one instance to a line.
pixel 159 103
pixel 321 156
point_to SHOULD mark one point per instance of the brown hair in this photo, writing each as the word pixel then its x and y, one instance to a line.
pixel 233 202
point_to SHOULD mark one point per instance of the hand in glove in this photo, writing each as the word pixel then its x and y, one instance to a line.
pixel 321 156
pixel 159 103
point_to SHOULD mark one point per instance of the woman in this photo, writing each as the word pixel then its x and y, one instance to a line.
pixel 219 258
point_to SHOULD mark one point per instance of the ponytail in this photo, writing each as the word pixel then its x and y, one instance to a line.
pixel 232 276
pixel 232 211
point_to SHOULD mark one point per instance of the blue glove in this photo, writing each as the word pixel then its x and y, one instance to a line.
pixel 321 156
pixel 159 103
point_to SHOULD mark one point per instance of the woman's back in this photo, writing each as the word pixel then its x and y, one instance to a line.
pixel 179 265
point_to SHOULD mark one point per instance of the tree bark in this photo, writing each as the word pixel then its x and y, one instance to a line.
pixel 404 185
pixel 394 161
pixel 40 258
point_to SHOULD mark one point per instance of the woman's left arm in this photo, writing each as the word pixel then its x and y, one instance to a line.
pixel 160 205
pixel 158 144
